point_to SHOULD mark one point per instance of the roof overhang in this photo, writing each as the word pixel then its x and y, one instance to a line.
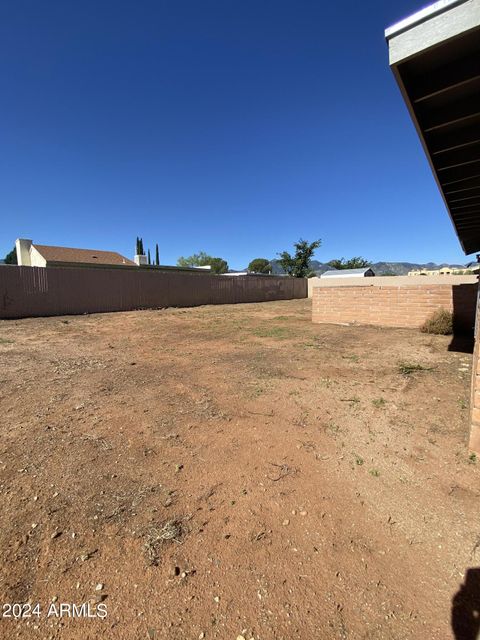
pixel 435 57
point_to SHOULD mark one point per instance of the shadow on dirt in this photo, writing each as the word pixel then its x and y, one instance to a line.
pixel 464 299
pixel 466 607
pixel 462 343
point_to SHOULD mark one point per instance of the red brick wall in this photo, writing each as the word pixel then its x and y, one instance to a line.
pixel 402 306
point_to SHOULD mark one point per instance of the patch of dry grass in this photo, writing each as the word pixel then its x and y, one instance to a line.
pixel 169 531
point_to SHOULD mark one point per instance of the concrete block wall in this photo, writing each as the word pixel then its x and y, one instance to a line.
pixel 54 291
pixel 384 281
pixel 394 306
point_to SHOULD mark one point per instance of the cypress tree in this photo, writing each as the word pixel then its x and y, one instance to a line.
pixel 11 257
pixel 157 256
pixel 149 261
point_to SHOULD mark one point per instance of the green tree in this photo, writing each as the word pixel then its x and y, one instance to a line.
pixel 356 262
pixel 202 259
pixel 139 247
pixel 157 255
pixel 196 260
pixel 298 265
pixel 338 263
pixel 149 260
pixel 11 257
pixel 260 265
pixel 219 266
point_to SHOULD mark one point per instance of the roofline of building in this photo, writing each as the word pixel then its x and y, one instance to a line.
pixel 131 265
pixel 352 270
pixel 420 16
pixel 432 26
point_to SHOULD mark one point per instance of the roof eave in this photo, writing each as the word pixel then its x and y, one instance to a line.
pixel 420 16
pixel 442 23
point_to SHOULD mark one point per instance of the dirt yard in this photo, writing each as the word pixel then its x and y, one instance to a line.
pixel 233 471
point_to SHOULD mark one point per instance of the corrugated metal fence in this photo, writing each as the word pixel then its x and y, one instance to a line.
pixel 34 291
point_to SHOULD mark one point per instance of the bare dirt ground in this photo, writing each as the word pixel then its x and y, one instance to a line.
pixel 234 470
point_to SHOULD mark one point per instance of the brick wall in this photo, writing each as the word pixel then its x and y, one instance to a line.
pixel 388 281
pixel 394 306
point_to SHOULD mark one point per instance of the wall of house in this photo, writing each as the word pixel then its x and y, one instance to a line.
pixel 36 259
pixel 395 306
pixel 22 248
pixel 383 281
pixel 474 442
pixel 52 291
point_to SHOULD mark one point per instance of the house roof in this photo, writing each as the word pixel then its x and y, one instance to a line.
pixel 85 256
pixel 346 272
pixel 435 56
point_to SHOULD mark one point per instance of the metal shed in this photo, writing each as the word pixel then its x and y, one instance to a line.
pixel 366 272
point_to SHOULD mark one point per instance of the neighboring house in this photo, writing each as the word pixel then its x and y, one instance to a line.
pixel 445 271
pixel 236 273
pixel 39 255
pixel 251 273
pixel 473 268
pixel 349 273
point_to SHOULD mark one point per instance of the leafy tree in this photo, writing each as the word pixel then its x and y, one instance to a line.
pixel 338 263
pixel 202 259
pixel 356 262
pixel 139 247
pixel 11 257
pixel 157 255
pixel 197 260
pixel 260 265
pixel 149 261
pixel 298 265
pixel 219 265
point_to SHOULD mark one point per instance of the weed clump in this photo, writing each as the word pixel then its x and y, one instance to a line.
pixel 407 368
pixel 169 531
pixel 280 333
pixel 440 323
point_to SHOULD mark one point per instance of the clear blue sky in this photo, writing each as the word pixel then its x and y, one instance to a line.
pixel 232 127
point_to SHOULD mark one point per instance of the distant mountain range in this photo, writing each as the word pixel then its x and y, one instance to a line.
pixel 380 268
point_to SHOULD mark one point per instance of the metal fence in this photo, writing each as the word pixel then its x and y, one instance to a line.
pixel 35 291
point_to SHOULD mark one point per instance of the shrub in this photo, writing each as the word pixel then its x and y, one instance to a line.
pixel 440 322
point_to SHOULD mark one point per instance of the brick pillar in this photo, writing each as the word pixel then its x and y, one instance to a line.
pixel 474 443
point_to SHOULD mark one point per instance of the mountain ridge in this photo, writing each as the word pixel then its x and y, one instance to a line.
pixel 380 268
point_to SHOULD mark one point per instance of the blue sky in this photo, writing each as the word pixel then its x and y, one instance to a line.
pixel 232 127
